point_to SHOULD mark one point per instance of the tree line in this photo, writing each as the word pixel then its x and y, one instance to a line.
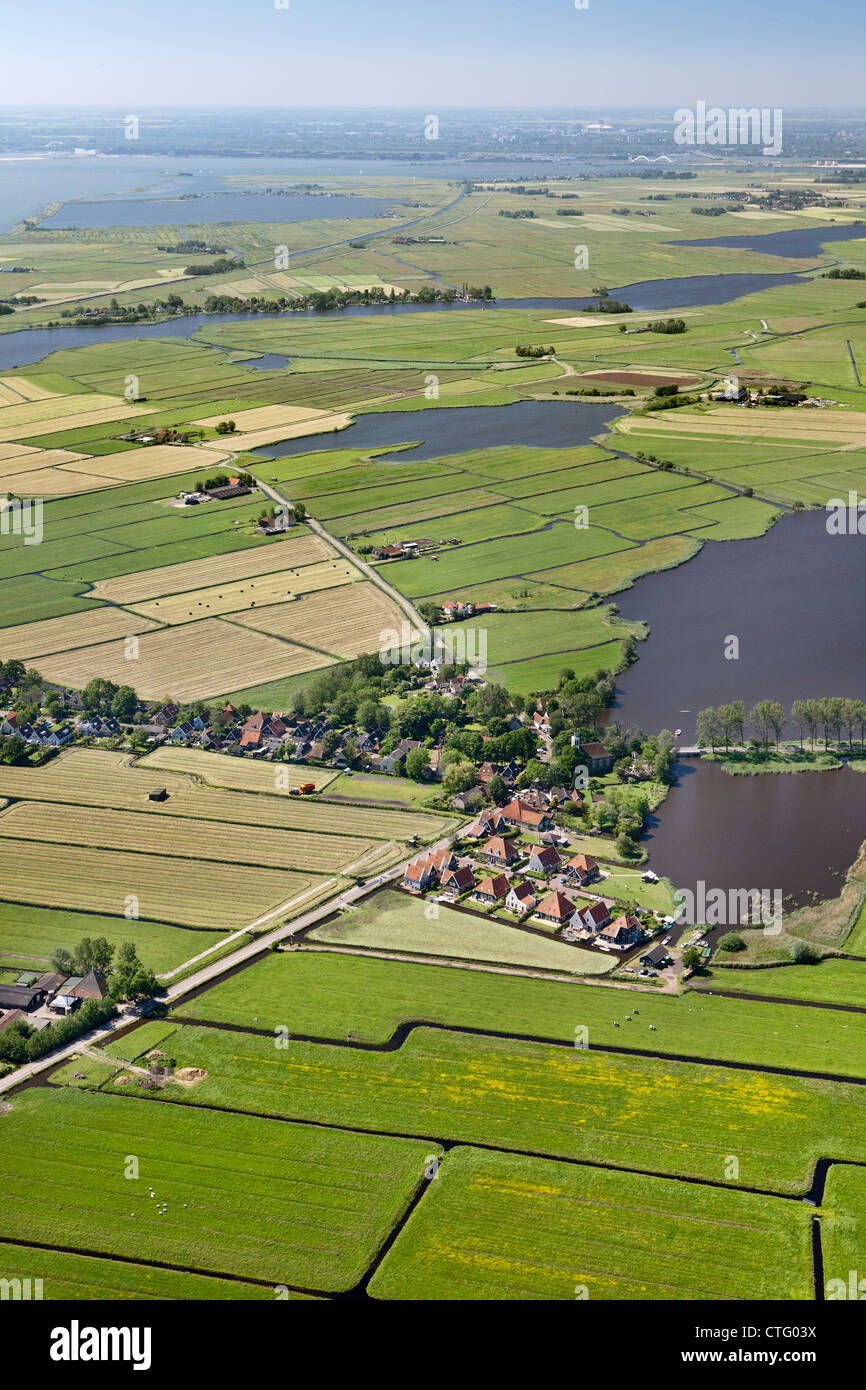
pixel 830 717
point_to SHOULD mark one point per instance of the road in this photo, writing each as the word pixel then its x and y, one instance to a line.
pixel 210 973
pixel 372 574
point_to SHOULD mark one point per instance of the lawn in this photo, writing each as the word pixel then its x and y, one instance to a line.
pixel 502 1226
pixel 283 1203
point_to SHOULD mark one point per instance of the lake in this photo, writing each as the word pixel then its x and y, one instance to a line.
pixel 793 598
pixel 797 832
pixel 801 241
pixel 543 424
pixel 214 208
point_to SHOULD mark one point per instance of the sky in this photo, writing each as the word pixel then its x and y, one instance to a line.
pixel 433 53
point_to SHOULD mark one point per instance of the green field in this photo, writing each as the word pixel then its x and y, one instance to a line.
pixel 328 995
pixel 396 922
pixel 649 1114
pixel 500 1226
pixel 279 1203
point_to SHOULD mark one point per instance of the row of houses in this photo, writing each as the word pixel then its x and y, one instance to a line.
pixel 522 897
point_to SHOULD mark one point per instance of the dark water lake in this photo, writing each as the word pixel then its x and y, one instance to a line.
pixel 802 241
pixel 544 424
pixel 797 832
pixel 794 599
pixel 27 345
pixel 214 208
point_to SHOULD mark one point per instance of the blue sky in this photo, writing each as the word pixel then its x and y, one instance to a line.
pixel 433 53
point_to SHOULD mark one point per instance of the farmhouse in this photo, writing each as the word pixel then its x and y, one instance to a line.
pixel 492 890
pixel 501 853
pixel 521 897
pixel 582 868
pixel 556 907
pixel 458 881
pixel 544 860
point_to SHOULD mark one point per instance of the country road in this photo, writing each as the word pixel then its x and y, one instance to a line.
pixel 212 972
pixel 372 574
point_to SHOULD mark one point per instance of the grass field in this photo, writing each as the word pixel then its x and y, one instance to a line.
pixel 276 1203
pixel 88 1277
pixel 328 995
pixel 502 1226
pixel 650 1114
pixel 236 774
pixel 396 922
pixel 34 932
pixel 843 1230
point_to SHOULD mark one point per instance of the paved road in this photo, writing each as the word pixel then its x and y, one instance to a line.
pixel 374 575
pixel 212 972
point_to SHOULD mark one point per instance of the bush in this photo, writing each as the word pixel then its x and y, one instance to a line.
pixel 732 941
pixel 804 954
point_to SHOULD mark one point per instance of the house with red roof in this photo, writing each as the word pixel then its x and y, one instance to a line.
pixel 556 907
pixel 582 868
pixel 544 860
pixel 500 853
pixel 521 897
pixel 492 890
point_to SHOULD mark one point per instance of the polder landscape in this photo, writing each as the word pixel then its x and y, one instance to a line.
pixel 433 728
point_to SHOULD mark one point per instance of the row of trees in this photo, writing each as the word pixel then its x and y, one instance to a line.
pixel 830 718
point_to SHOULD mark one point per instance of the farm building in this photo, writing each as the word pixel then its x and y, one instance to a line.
pixel 24 997
pixel 656 957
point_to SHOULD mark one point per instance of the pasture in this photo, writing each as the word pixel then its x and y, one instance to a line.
pixel 651 1114
pixel 505 1226
pixel 328 994
pixel 276 1203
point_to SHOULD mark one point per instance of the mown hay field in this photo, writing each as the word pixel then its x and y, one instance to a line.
pixel 347 623
pixel 94 777
pixel 184 838
pixel 504 1226
pixel 162 888
pixel 239 774
pixel 152 461
pixel 60 412
pixel 219 569
pixel 256 592
pixel 28 640
pixel 186 663
pixel 289 1204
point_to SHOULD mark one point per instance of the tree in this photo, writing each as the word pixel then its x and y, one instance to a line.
pixel 732 941
pixel 767 715
pixel 692 958
pixel 300 511
pixel 708 728
pixel 130 979
pixel 459 777
pixel 124 704
pixel 417 763
pixel 93 954
pixel 497 790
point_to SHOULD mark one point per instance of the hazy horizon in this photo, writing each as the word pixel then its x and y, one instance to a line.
pixel 506 54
